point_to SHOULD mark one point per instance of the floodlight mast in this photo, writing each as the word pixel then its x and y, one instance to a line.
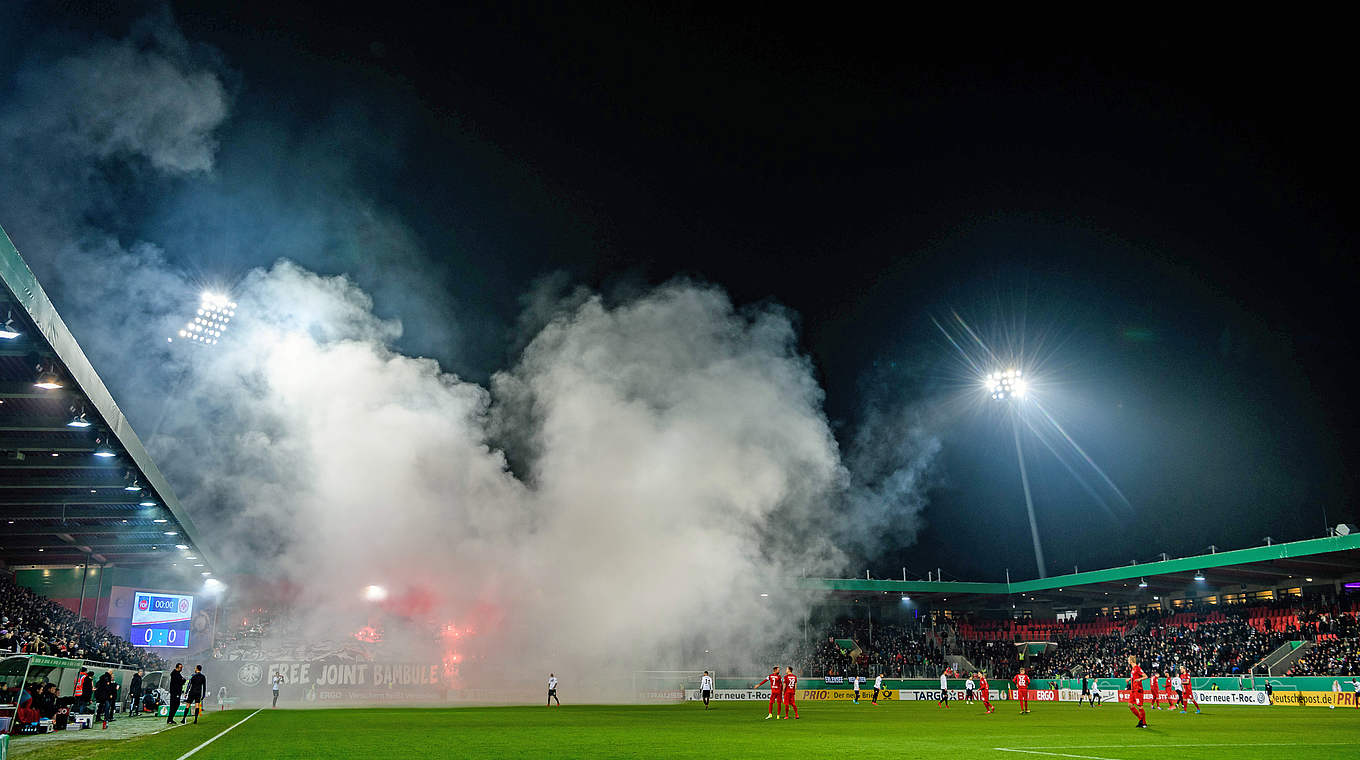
pixel 1011 386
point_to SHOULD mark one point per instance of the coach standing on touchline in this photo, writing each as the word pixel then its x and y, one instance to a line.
pixel 176 690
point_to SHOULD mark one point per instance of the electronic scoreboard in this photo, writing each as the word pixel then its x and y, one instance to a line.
pixel 161 620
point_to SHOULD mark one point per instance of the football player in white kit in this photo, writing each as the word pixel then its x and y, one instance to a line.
pixel 706 688
pixel 552 691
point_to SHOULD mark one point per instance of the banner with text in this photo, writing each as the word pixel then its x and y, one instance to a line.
pixel 1314 698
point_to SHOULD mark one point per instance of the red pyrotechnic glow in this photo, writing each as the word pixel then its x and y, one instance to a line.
pixel 368 634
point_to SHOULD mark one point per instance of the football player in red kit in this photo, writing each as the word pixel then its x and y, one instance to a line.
pixel 982 684
pixel 1156 693
pixel 790 689
pixel 776 682
pixel 1136 692
pixel 1022 688
pixel 1187 693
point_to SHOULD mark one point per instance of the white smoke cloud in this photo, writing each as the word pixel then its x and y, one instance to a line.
pixel 123 100
pixel 672 460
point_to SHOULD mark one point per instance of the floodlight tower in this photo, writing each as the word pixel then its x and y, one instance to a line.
pixel 1010 387
pixel 206 327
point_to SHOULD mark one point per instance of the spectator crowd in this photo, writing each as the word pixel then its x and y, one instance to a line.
pixel 33 624
pixel 1221 641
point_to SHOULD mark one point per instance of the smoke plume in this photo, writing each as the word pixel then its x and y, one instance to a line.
pixel 670 457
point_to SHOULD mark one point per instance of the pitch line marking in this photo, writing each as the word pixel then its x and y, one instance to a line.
pixel 1227 744
pixel 219 736
pixel 1053 754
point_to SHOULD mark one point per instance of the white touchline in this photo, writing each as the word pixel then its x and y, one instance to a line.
pixel 219 736
pixel 1226 744
pixel 1053 754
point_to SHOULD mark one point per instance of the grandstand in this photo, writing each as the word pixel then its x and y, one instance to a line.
pixel 85 514
pixel 1255 611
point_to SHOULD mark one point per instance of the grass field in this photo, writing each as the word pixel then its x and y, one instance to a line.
pixel 826 730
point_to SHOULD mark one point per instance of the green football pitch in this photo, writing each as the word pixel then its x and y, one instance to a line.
pixel 826 730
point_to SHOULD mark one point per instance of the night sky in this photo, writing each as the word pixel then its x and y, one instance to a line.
pixel 1167 228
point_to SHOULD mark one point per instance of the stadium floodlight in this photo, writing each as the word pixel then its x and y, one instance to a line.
pixel 8 331
pixel 1142 583
pixel 763 595
pixel 205 573
pixel 102 449
pixel 183 546
pixel 1011 385
pixel 161 520
pixel 375 593
pixel 1307 580
pixel 1199 576
pixel 209 322
pixel 906 598
pixel 146 503
pixel 200 564
pixel 133 486
pixel 79 421
pixel 47 379
pixel 1006 384
pixel 172 533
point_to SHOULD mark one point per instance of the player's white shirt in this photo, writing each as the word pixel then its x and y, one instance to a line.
pixel 278 679
pixel 1356 684
pixel 706 683
pixel 944 682
pixel 969 685
pixel 552 682
pixel 854 681
pixel 1176 683
pixel 878 681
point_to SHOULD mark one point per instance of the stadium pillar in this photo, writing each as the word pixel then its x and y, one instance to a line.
pixel 1029 500
pixel 84 575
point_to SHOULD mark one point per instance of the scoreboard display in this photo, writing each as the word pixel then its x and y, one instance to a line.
pixel 161 620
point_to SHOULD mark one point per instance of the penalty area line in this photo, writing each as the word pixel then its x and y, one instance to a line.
pixel 219 736
pixel 1052 754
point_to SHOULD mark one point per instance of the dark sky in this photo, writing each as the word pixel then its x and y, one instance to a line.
pixel 1167 222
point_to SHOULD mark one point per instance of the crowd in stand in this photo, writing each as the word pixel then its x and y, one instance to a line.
pixel 1227 648
pixel 1220 641
pixel 894 650
pixel 1331 657
pixel 33 624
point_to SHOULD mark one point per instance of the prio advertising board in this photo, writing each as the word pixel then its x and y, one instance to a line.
pixel 160 620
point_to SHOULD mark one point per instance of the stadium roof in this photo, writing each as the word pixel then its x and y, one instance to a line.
pixel 1312 562
pixel 72 493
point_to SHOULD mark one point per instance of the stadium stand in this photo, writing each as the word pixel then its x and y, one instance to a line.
pixel 893 650
pixel 1222 641
pixel 32 624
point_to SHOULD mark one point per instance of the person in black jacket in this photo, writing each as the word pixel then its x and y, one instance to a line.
pixel 103 694
pixel 176 689
pixel 135 695
pixel 198 688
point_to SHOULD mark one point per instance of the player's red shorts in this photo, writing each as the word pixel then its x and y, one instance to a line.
pixel 1187 695
pixel 1136 698
pixel 788 696
pixel 985 692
